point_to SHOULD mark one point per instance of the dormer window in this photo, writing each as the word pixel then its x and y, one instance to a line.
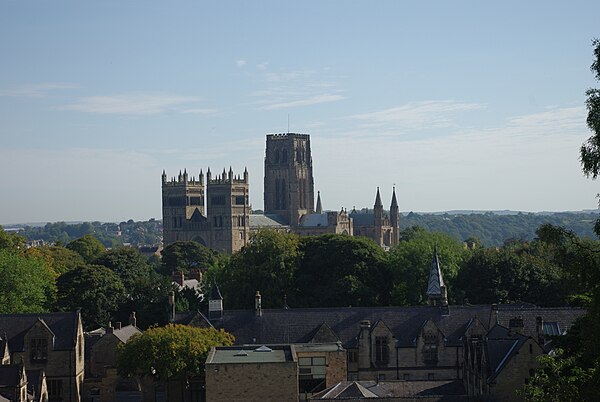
pixel 38 350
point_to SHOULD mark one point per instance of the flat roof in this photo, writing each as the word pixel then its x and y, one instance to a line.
pixel 250 354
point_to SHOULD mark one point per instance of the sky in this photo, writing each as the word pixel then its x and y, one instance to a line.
pixel 472 105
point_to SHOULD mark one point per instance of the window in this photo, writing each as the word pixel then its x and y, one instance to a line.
pixel 430 350
pixel 240 200
pixel 352 358
pixel 311 372
pixel 551 328
pixel 382 352
pixel 55 390
pixel 38 350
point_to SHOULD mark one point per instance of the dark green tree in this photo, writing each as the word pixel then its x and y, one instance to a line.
pixel 590 150
pixel 266 264
pixel 187 255
pixel 88 247
pixel 411 261
pixel 11 240
pixel 95 289
pixel 127 262
pixel 340 270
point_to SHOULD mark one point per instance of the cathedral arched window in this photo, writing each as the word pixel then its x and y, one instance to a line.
pixel 284 156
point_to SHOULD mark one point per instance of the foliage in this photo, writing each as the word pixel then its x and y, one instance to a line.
pixel 59 259
pixel 11 240
pixel 266 264
pixel 516 272
pixel 340 270
pixel 411 262
pixel 560 378
pixel 187 255
pixel 95 289
pixel 26 283
pixel 590 150
pixel 169 352
pixel 88 247
pixel 131 266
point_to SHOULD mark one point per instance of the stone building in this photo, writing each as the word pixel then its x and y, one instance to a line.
pixel 51 348
pixel 216 213
pixel 489 348
pixel 222 224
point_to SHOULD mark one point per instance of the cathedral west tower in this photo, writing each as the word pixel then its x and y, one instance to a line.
pixel 289 184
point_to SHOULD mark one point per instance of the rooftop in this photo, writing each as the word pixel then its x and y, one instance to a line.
pixel 251 354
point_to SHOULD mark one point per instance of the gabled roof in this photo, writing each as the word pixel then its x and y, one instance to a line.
pixel 411 390
pixel 314 220
pixel 345 389
pixel 299 325
pixel 62 325
pixel 436 280
pixel 564 316
pixel 215 293
pixel 266 221
pixel 501 346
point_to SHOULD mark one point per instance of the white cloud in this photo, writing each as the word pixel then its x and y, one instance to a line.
pixel 262 66
pixel 289 75
pixel 417 115
pixel 139 104
pixel 200 111
pixel 240 62
pixel 313 100
pixel 36 90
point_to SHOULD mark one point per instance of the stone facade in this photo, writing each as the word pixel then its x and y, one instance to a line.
pixel 223 225
pixel 52 343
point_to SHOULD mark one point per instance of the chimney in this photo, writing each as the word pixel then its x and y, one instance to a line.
pixel 257 304
pixel 132 319
pixel 364 345
pixel 110 329
pixel 118 325
pixel 178 277
pixel 515 326
pixel 172 306
pixel 539 329
pixel 196 274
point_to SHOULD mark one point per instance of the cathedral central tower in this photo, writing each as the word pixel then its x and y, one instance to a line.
pixel 289 184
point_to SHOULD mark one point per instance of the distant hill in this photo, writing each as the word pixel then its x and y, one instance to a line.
pixel 493 228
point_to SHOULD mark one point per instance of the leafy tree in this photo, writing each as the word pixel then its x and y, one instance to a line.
pixel 411 261
pixel 26 283
pixel 131 266
pixel 88 247
pixel 169 352
pixel 11 240
pixel 95 289
pixel 590 150
pixel 187 255
pixel 340 270
pixel 266 264
pixel 59 259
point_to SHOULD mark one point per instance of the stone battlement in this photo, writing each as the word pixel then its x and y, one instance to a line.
pixel 283 136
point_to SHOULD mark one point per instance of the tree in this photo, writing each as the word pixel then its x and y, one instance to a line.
pixel 411 260
pixel 95 289
pixel 131 266
pixel 59 259
pixel 266 264
pixel 26 283
pixel 590 150
pixel 340 270
pixel 187 255
pixel 88 247
pixel 169 352
pixel 11 240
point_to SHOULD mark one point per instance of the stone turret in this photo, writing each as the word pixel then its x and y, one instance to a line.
pixel 436 288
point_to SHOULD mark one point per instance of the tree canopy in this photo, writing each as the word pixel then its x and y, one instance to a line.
pixel 187 255
pixel 590 150
pixel 169 352
pixel 88 247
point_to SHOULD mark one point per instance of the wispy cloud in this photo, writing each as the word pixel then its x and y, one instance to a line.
pixel 136 104
pixel 555 120
pixel 36 90
pixel 262 66
pixel 314 100
pixel 296 88
pixel 200 111
pixel 240 62
pixel 417 115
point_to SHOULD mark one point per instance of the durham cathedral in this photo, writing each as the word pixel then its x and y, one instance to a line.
pixel 214 210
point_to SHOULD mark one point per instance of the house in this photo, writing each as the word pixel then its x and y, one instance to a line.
pixel 52 342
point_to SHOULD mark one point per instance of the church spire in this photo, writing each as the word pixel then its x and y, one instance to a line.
pixel 436 289
pixel 319 209
pixel 394 201
pixel 378 199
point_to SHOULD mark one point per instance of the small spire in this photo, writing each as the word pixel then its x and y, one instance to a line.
pixel 215 293
pixel 436 289
pixel 394 201
pixel 319 209
pixel 378 199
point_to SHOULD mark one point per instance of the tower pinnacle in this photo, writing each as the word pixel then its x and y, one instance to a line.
pixel 319 209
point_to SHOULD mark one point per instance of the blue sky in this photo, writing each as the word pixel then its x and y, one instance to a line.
pixel 461 105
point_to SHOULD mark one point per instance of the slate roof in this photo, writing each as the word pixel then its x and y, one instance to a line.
pixel 10 375
pixel 564 316
pixel 393 389
pixel 126 332
pixel 314 220
pixel 362 218
pixel 276 326
pixel 301 325
pixel 62 325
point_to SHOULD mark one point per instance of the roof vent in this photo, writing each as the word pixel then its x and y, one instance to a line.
pixel 241 353
pixel 263 348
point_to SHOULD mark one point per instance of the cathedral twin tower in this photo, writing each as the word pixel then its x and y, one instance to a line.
pixel 226 222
